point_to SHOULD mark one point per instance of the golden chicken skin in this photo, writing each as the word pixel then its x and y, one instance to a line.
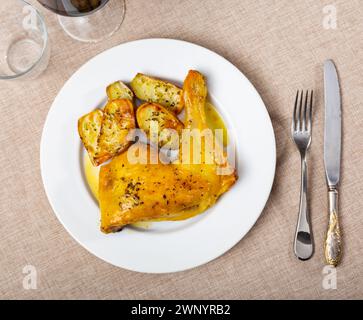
pixel 133 192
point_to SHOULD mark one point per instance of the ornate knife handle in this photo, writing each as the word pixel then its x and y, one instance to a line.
pixel 333 241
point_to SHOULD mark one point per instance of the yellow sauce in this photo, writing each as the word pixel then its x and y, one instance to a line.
pixel 142 224
pixel 186 214
pixel 214 121
pixel 91 174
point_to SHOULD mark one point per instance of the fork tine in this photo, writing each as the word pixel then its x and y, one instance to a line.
pixel 294 115
pixel 304 113
pixel 310 111
pixel 298 125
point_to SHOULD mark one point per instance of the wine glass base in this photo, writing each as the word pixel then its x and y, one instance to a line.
pixel 98 25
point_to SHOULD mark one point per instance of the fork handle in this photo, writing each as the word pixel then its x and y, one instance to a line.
pixel 333 240
pixel 303 244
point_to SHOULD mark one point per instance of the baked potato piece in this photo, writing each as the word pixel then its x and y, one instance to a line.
pixel 89 128
pixel 119 90
pixel 154 90
pixel 155 115
pixel 104 132
pixel 118 120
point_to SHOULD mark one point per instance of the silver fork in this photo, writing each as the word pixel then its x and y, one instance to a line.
pixel 301 134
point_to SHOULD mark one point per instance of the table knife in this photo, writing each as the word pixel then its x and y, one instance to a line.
pixel 332 157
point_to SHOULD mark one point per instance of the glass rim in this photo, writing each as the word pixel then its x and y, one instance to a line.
pixel 45 45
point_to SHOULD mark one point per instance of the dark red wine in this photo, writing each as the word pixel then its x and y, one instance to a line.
pixel 73 8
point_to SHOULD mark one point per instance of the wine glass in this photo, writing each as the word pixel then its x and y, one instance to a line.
pixel 24 45
pixel 88 20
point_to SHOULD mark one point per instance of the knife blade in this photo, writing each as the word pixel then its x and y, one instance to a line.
pixel 332 158
pixel 332 133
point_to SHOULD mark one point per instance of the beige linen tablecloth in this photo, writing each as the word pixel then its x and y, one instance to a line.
pixel 280 46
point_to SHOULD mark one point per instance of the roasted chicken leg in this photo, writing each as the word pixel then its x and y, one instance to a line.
pixel 133 192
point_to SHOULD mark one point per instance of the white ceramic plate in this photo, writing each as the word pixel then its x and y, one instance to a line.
pixel 165 246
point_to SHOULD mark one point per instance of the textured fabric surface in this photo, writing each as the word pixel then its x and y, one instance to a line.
pixel 280 46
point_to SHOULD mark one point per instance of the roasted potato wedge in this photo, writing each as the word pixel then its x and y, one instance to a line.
pixel 118 120
pixel 89 128
pixel 119 90
pixel 150 114
pixel 154 90
pixel 104 133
